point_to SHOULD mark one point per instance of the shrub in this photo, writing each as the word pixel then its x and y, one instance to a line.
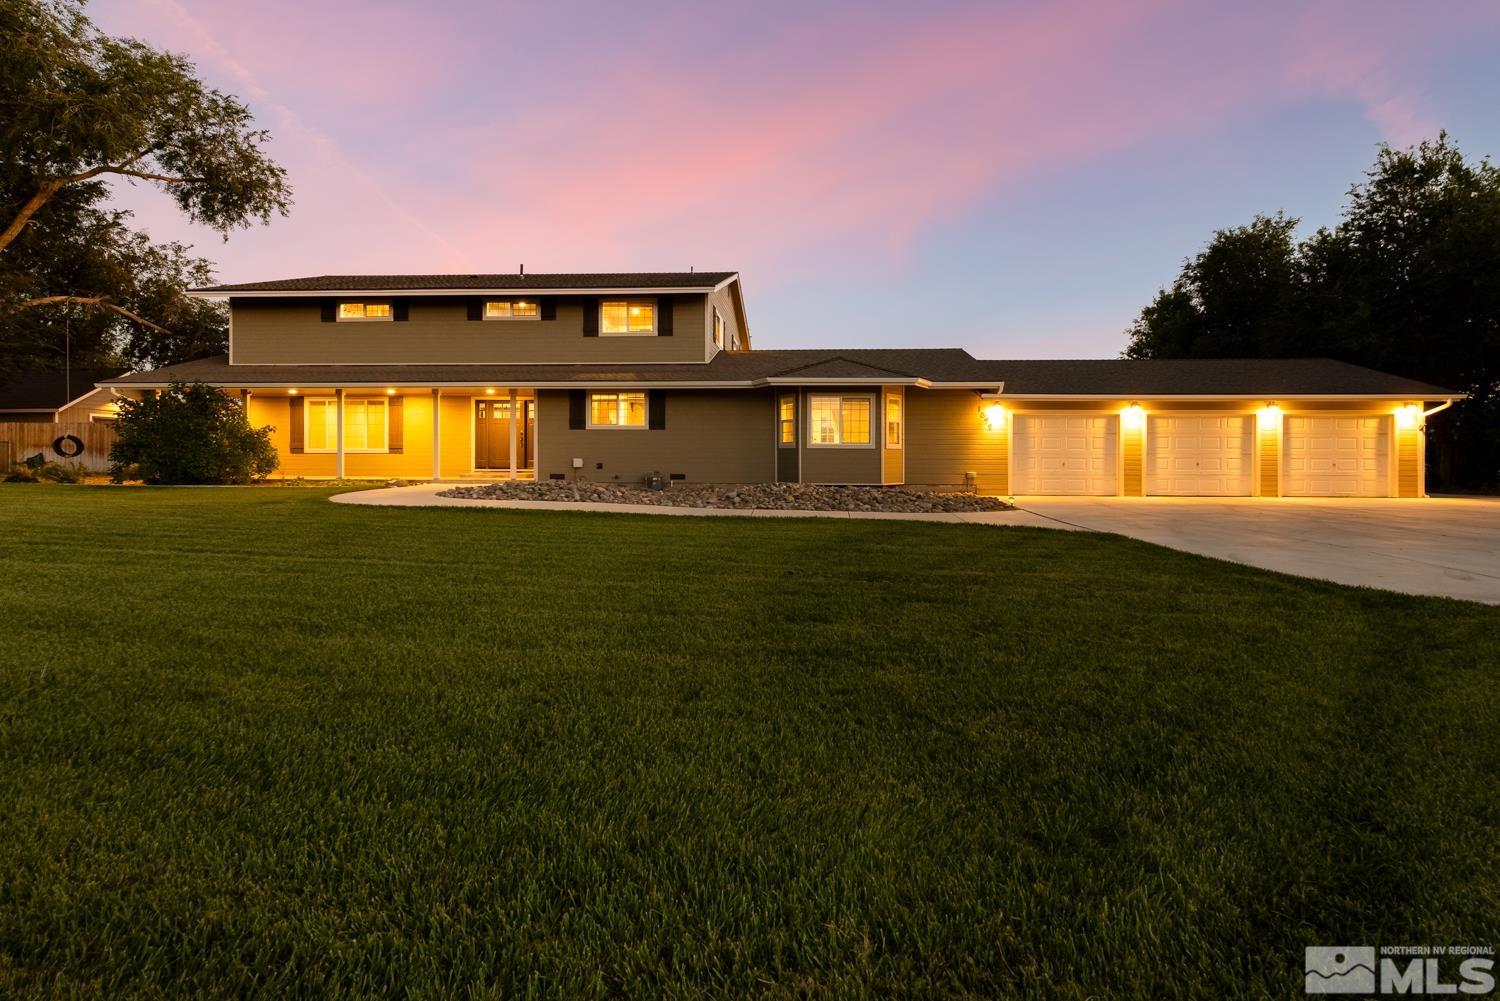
pixel 190 433
pixel 20 474
pixel 61 472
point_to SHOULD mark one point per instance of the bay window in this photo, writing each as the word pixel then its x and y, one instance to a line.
pixel 840 420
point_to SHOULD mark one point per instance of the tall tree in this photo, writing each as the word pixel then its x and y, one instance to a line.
pixel 78 109
pixel 1408 282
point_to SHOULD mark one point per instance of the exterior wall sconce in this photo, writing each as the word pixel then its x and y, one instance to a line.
pixel 993 415
pixel 291 392
pixel 1133 417
pixel 1408 416
pixel 1269 415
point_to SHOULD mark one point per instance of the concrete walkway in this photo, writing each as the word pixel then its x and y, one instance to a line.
pixel 1448 546
pixel 426 495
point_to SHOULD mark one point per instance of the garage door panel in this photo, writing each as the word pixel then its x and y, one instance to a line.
pixel 1064 454
pixel 1336 456
pixel 1199 456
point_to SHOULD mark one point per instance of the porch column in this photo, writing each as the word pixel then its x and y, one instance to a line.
pixel 338 395
pixel 437 438
pixel 514 435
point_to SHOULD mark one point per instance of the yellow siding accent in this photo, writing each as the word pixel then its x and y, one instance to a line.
pixel 1131 446
pixel 1270 459
pixel 1409 472
pixel 413 463
pixel 457 429
pixel 946 437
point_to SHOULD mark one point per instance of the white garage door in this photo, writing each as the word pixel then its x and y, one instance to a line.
pixel 1064 455
pixel 1199 456
pixel 1336 456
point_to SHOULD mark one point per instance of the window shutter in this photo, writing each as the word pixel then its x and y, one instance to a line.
pixel 577 406
pixel 398 310
pixel 297 425
pixel 476 308
pixel 664 316
pixel 395 412
pixel 547 309
pixel 329 309
pixel 591 317
pixel 656 409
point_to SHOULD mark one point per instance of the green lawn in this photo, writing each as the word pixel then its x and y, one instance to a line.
pixel 257 744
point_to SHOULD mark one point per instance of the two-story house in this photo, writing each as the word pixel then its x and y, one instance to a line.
pixel 613 376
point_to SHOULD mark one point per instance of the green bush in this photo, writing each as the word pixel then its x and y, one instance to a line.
pixel 61 472
pixel 190 433
pixel 20 474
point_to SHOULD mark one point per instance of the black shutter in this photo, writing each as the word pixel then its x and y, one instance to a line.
pixel 476 308
pixel 398 310
pixel 396 426
pixel 664 316
pixel 329 309
pixel 656 409
pixel 590 317
pixel 577 410
pixel 547 309
pixel 295 431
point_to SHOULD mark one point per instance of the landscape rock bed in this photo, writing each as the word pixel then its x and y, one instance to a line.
pixel 774 496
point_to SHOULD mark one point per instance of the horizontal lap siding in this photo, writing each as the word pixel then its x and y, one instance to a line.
pixel 291 332
pixel 1132 475
pixel 1409 472
pixel 1269 444
pixel 946 437
pixel 725 436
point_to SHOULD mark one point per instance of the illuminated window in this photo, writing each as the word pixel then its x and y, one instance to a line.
pixel 788 421
pixel 840 420
pixel 893 421
pixel 365 425
pixel 506 309
pixel 627 316
pixel 617 410
pixel 718 330
pixel 364 311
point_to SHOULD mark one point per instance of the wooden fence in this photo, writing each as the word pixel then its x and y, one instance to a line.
pixel 23 439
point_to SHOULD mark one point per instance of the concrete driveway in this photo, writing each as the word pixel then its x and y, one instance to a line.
pixel 1442 545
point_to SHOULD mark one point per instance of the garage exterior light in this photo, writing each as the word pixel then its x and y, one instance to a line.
pixel 993 415
pixel 1408 416
pixel 1133 417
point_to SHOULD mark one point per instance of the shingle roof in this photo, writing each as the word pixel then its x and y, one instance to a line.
pixel 49 389
pixel 1061 378
pixel 1203 377
pixel 506 282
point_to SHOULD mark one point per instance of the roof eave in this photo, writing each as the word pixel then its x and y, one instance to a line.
pixel 216 293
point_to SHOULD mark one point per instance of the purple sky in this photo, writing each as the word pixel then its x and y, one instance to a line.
pixel 1013 178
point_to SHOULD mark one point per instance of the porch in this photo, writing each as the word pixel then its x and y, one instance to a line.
pixel 405 432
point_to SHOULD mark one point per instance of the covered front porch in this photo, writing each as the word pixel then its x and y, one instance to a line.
pixel 404 432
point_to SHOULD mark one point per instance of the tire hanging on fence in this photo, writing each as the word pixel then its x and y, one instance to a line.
pixel 69 446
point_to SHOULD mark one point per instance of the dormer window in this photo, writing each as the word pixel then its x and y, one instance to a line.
pixel 627 316
pixel 718 330
pixel 510 309
pixel 364 311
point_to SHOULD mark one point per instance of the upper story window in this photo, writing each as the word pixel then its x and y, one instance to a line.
pixel 364 311
pixel 510 309
pixel 365 425
pixel 787 421
pixel 617 410
pixel 718 330
pixel 840 420
pixel 893 422
pixel 627 316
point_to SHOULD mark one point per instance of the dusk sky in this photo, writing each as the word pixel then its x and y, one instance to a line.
pixel 1016 179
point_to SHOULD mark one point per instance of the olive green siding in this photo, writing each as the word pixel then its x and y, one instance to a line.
pixel 893 460
pixel 946 437
pixel 723 301
pixel 291 331
pixel 712 436
pixel 787 469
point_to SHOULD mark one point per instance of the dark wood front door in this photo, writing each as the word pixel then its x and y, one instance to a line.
pixel 492 434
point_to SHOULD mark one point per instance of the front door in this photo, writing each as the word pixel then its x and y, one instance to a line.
pixel 492 434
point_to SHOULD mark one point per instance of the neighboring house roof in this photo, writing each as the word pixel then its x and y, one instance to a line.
pixel 48 389
pixel 872 366
pixel 1279 377
pixel 604 281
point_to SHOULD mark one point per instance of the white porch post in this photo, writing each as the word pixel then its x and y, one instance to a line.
pixel 513 432
pixel 339 397
pixel 437 438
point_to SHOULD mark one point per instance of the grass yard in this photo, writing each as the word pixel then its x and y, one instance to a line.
pixel 259 745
